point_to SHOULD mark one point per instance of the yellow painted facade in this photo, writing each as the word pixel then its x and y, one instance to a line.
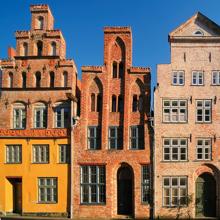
pixel 29 172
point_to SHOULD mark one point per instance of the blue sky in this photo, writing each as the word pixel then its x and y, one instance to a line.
pixel 82 22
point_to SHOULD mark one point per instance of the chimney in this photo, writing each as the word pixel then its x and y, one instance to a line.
pixel 11 53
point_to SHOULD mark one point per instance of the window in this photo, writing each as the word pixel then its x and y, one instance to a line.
pixel 40 116
pixel 198 33
pixel 25 49
pixel 10 80
pixel 175 149
pixel 94 138
pixel 52 79
pixel 13 154
pixel 197 78
pixel 121 69
pixel 174 191
pixel 115 138
pixel 114 70
pixel 62 116
pixel 178 78
pixel 92 184
pixel 38 79
pixel 24 80
pixel 92 102
pixel 39 48
pixel 137 137
pixel 174 111
pixel 40 23
pixel 203 111
pixel 64 153
pixel 216 78
pixel 19 116
pixel 135 104
pixel 99 102
pixel 113 103
pixel 41 154
pixel 145 184
pixel 53 49
pixel 47 190
pixel 203 149
pixel 120 104
pixel 65 79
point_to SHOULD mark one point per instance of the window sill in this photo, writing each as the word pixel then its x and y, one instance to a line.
pixel 136 149
pixel 202 160
pixel 40 163
pixel 197 122
pixel 175 207
pixel 11 163
pixel 91 204
pixel 197 85
pixel 45 203
pixel 174 161
pixel 39 128
pixel 177 85
pixel 170 122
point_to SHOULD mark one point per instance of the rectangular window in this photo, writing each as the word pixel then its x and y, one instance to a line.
pixel 178 78
pixel 203 149
pixel 47 190
pixel 41 154
pixel 64 153
pixel 216 78
pixel 19 120
pixel 174 149
pixel 174 111
pixel 92 184
pixel 145 184
pixel 174 191
pixel 115 138
pixel 94 138
pixel 137 137
pixel 197 78
pixel 40 118
pixel 62 117
pixel 203 111
pixel 13 154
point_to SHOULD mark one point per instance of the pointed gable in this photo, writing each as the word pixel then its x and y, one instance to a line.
pixel 198 25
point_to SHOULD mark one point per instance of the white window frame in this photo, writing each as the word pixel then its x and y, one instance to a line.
pixel 96 139
pixel 117 139
pixel 176 148
pixel 177 77
pixel 13 153
pixel 47 189
pixel 204 148
pixel 41 153
pixel 64 153
pixel 145 184
pixel 178 187
pixel 19 121
pixel 197 78
pixel 216 77
pixel 172 110
pixel 63 123
pixel 205 106
pixel 43 113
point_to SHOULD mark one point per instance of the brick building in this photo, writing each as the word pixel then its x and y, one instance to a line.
pixel 36 105
pixel 112 141
pixel 187 123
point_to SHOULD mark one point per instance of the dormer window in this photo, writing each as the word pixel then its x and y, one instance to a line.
pixel 40 23
pixel 198 33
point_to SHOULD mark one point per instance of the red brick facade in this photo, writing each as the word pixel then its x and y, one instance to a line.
pixel 107 94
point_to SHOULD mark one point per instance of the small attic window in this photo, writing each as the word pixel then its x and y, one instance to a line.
pixel 198 33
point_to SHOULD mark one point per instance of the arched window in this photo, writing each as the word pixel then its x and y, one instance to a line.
pixel 198 33
pixel 135 103
pixel 121 69
pixel 52 79
pixel 113 103
pixel 24 80
pixel 114 70
pixel 38 79
pixel 39 48
pixel 40 22
pixel 25 49
pixel 99 103
pixel 53 49
pixel 120 104
pixel 93 102
pixel 65 79
pixel 10 80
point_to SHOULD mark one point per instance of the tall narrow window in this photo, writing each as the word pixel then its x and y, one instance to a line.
pixel 203 111
pixel 13 154
pixel 25 49
pixel 99 103
pixel 145 184
pixel 114 70
pixel 40 23
pixel 65 79
pixel 39 48
pixel 121 69
pixel 62 116
pixel 197 78
pixel 41 154
pixel 115 138
pixel 24 80
pixel 53 49
pixel 92 102
pixel 10 80
pixel 19 116
pixel 38 79
pixel 203 149
pixel 94 138
pixel 135 103
pixel 40 115
pixel 137 137
pixel 52 79
pixel 141 103
pixel 120 104
pixel 113 103
pixel 64 153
